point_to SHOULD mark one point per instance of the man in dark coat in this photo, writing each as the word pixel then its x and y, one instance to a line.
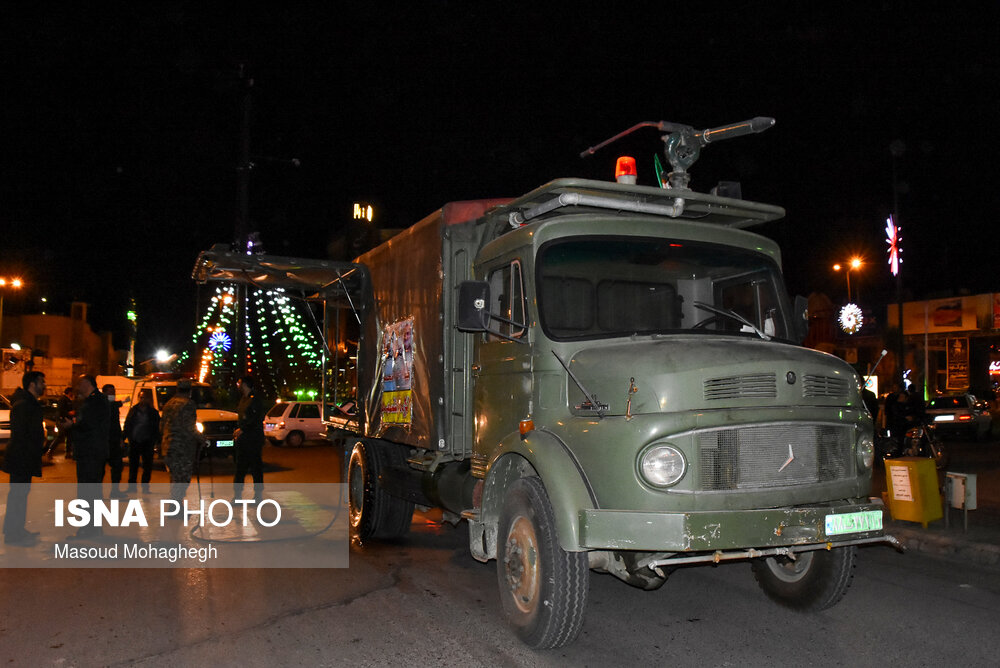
pixel 115 462
pixel 249 439
pixel 142 429
pixel 66 412
pixel 23 459
pixel 89 432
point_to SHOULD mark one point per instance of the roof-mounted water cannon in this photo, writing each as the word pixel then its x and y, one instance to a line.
pixel 683 143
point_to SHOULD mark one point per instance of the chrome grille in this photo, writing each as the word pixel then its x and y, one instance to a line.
pixel 758 386
pixel 824 386
pixel 755 457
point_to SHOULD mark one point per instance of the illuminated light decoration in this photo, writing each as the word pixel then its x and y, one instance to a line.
pixel 893 238
pixel 625 170
pixel 220 340
pixel 280 341
pixel 363 211
pixel 206 363
pixel 850 318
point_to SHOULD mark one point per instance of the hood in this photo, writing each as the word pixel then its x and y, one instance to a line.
pixel 215 415
pixel 698 373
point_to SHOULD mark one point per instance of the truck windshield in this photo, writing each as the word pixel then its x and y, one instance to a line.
pixel 607 287
pixel 202 395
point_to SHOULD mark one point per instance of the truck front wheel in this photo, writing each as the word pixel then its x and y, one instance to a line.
pixel 373 512
pixel 811 582
pixel 543 588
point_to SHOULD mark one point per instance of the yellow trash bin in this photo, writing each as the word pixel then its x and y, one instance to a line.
pixel 912 486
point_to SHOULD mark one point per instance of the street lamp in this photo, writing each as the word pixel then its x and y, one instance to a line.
pixel 5 284
pixel 855 264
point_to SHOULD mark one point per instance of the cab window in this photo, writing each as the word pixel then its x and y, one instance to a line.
pixel 507 290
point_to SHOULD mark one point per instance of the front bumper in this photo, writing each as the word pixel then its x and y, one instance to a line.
pixel 220 442
pixel 710 531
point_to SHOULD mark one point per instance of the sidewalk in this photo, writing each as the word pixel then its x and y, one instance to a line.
pixel 980 544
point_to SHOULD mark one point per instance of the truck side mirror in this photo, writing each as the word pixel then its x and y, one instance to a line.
pixel 800 318
pixel 473 306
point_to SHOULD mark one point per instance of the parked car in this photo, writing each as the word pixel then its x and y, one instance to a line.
pixel 293 422
pixel 4 421
pixel 959 415
pixel 49 419
pixel 214 424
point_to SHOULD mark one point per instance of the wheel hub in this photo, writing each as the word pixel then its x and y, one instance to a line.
pixel 790 570
pixel 521 565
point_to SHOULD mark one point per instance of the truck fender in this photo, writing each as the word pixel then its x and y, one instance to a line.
pixel 544 455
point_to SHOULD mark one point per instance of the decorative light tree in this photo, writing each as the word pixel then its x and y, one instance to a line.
pixel 283 348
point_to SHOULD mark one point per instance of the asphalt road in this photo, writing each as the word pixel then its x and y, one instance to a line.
pixel 425 601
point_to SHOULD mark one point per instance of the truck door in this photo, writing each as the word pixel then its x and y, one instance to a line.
pixel 502 367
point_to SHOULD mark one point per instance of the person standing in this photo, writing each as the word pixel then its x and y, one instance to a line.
pixel 180 437
pixel 249 439
pixel 142 429
pixel 89 432
pixel 66 412
pixel 23 458
pixel 115 453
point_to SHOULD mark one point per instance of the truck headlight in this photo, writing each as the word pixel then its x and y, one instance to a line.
pixel 866 452
pixel 200 427
pixel 662 465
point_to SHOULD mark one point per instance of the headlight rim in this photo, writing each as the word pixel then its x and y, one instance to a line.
pixel 647 451
pixel 866 452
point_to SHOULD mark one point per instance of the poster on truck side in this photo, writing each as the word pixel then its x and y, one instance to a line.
pixel 397 373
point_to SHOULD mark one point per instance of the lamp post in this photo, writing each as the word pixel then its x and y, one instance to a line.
pixel 5 283
pixel 855 264
pixel 897 148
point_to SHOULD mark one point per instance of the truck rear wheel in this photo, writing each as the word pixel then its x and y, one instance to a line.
pixel 373 512
pixel 543 588
pixel 811 582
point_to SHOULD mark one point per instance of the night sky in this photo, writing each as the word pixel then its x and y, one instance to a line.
pixel 120 129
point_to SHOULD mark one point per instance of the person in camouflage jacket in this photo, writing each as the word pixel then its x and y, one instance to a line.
pixel 180 438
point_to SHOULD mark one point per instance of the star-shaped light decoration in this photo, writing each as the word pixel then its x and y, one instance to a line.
pixel 850 318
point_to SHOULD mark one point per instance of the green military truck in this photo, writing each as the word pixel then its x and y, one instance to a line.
pixel 596 376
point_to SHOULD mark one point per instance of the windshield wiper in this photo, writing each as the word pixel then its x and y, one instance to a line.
pixel 591 404
pixel 734 316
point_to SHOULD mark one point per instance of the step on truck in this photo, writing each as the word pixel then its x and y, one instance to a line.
pixel 595 376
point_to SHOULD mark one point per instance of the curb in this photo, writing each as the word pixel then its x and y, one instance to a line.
pixel 954 547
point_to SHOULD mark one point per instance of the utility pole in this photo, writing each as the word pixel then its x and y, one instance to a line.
pixel 242 231
pixel 897 148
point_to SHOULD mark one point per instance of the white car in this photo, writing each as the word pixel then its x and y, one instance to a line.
pixel 4 420
pixel 292 423
pixel 960 415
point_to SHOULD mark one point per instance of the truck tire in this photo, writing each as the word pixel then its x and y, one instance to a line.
pixel 373 512
pixel 543 588
pixel 813 581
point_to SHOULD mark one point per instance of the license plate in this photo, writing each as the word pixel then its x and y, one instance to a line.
pixel 944 418
pixel 869 520
pixel 224 444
